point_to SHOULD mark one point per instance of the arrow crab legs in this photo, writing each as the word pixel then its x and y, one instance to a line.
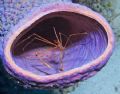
pixel 57 43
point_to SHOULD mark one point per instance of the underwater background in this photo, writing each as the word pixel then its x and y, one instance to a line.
pixel 107 81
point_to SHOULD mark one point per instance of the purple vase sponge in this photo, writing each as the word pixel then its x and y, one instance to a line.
pixel 57 45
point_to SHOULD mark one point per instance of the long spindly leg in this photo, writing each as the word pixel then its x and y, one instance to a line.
pixel 60 35
pixel 36 67
pixel 35 38
pixel 61 52
pixel 28 44
pixel 46 64
pixel 40 37
pixel 58 40
pixel 71 35
pixel 45 40
pixel 61 61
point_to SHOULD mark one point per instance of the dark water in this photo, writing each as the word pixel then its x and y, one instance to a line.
pixel 8 86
